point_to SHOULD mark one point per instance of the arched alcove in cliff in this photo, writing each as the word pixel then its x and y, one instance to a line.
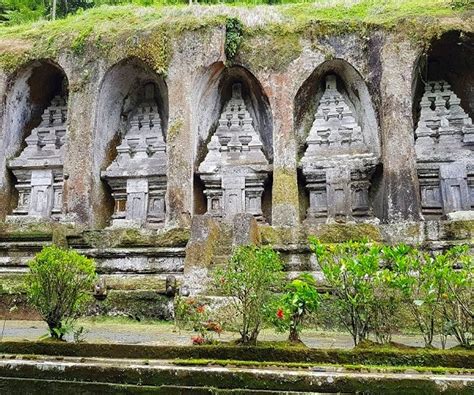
pixel 449 58
pixel 443 107
pixel 31 91
pixel 339 146
pixel 129 93
pixel 215 92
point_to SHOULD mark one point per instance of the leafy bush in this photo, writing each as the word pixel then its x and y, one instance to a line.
pixel 59 286
pixel 233 38
pixel 350 269
pixel 439 292
pixel 248 280
pixel 457 305
pixel 372 282
pixel 300 299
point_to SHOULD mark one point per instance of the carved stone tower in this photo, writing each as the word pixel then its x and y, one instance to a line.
pixel 337 163
pixel 39 167
pixel 235 168
pixel 444 151
pixel 137 176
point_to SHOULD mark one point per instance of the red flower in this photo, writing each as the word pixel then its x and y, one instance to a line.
pixel 280 314
pixel 213 326
pixel 200 309
pixel 198 340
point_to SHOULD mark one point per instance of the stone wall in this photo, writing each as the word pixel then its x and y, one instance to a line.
pixel 380 79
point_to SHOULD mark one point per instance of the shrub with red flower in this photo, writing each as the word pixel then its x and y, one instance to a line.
pixel 280 315
pixel 193 314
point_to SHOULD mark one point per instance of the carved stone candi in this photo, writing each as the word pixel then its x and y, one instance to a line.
pixel 338 163
pixel 137 176
pixel 444 151
pixel 39 167
pixel 235 168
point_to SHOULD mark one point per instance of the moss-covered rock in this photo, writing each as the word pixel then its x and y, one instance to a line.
pixel 138 304
pixel 270 50
pixel 107 238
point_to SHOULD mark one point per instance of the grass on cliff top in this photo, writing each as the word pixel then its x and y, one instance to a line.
pixel 113 19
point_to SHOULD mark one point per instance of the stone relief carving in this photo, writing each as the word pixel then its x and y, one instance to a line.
pixel 137 176
pixel 338 163
pixel 235 168
pixel 444 151
pixel 39 167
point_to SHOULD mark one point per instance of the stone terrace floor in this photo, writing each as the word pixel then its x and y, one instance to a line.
pixel 119 330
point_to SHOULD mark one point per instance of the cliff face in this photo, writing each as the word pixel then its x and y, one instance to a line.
pixel 102 61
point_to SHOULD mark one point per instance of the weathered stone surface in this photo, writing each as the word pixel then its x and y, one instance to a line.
pixel 245 230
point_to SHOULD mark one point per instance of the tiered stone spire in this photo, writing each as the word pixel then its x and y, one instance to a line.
pixel 337 163
pixel 39 167
pixel 444 145
pixel 235 167
pixel 138 175
pixel 335 130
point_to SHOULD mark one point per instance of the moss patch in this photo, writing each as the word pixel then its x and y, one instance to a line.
pixel 154 49
pixel 384 357
pixel 175 129
pixel 270 49
pixel 115 32
pixel 134 304
pixel 107 238
pixel 285 187
pixel 339 233
pixel 308 365
pixel 458 230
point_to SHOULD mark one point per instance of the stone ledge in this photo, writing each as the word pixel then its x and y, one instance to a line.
pixel 158 373
pixel 387 357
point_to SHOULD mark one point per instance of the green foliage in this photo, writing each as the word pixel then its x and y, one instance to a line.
pixel 351 270
pixel 249 279
pixel 461 4
pixel 79 43
pixel 370 282
pixel 300 299
pixel 233 38
pixel 59 286
pixel 439 290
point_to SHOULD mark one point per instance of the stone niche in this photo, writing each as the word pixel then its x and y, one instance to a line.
pixel 137 176
pixel 235 168
pixel 39 167
pixel 444 151
pixel 338 162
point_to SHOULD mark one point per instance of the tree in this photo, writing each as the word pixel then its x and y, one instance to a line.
pixel 59 286
pixel 248 280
